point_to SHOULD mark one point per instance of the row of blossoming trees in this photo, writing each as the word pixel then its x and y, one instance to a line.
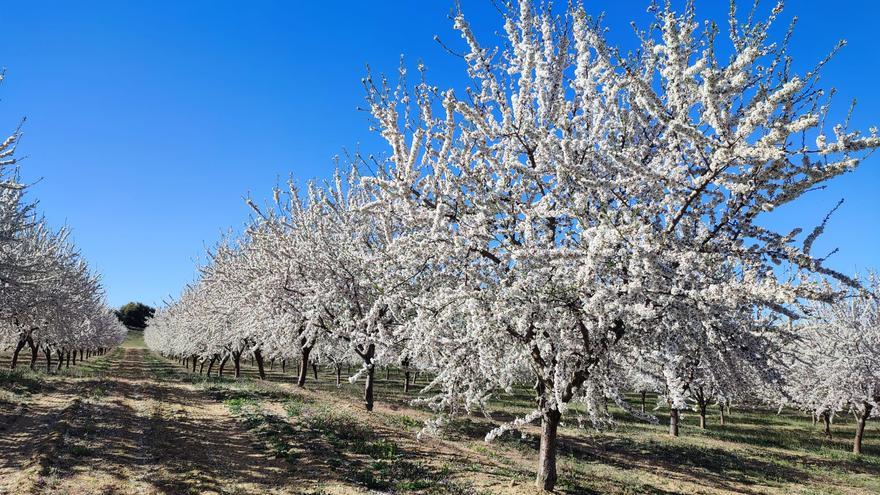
pixel 580 220
pixel 50 301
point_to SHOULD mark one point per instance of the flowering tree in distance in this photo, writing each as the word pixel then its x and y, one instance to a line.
pixel 580 204
pixel 837 358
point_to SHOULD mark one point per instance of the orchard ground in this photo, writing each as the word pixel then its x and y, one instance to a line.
pixel 131 422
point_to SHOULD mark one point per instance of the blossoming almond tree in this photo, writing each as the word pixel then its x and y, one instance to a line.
pixel 341 253
pixel 837 358
pixel 579 203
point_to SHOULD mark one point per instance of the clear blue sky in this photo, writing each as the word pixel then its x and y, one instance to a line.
pixel 149 121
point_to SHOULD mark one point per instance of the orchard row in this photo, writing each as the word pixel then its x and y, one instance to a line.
pixel 581 219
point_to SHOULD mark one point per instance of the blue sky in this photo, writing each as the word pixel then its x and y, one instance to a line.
pixel 148 122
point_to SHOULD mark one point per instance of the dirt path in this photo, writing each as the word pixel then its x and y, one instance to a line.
pixel 130 430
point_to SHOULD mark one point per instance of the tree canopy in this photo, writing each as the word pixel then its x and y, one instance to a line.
pixel 135 314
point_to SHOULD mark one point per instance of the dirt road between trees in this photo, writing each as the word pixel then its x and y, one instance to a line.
pixel 124 431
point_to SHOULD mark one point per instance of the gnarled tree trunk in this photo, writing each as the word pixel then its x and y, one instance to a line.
pixel 211 364
pixel 826 422
pixel 48 353
pixel 303 366
pixel 34 351
pixel 18 348
pixel 236 361
pixel 223 364
pixel 258 357
pixel 546 476
pixel 860 428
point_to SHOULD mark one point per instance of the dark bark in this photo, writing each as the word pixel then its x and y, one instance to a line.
pixel 367 356
pixel 673 422
pixel 643 402
pixel 68 360
pixel 48 353
pixel 283 366
pixel 223 364
pixel 368 389
pixel 546 476
pixel 236 361
pixel 34 350
pixel 338 375
pixel 406 381
pixel 211 364
pixel 258 357
pixel 303 366
pixel 18 348
pixel 721 411
pixel 860 428
pixel 60 360
pixel 315 371
pixel 826 421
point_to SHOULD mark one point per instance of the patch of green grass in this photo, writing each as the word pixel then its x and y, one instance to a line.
pixel 80 451
pixel 134 340
pixel 241 405
pixel 294 406
pixel 22 381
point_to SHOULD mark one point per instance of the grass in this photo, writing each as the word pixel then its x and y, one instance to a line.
pixel 134 339
pixel 324 431
pixel 757 450
pixel 337 441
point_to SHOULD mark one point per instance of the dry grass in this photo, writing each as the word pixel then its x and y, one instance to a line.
pixel 131 422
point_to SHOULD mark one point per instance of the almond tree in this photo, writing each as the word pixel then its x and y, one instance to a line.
pixel 579 204
pixel 343 272
pixel 836 365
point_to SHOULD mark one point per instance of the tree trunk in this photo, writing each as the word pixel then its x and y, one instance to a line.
pixel 68 360
pixel 368 388
pixel 303 366
pixel 258 357
pixel 211 364
pixel 33 353
pixel 643 402
pixel 236 361
pixel 223 364
pixel 74 356
pixel 338 375
pixel 860 429
pixel 826 421
pixel 80 354
pixel 673 422
pixel 387 373
pixel 60 361
pixel 721 410
pixel 546 477
pixel 283 366
pixel 406 381
pixel 18 348
pixel 315 371
pixel 371 375
pixel 195 362
pixel 48 353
